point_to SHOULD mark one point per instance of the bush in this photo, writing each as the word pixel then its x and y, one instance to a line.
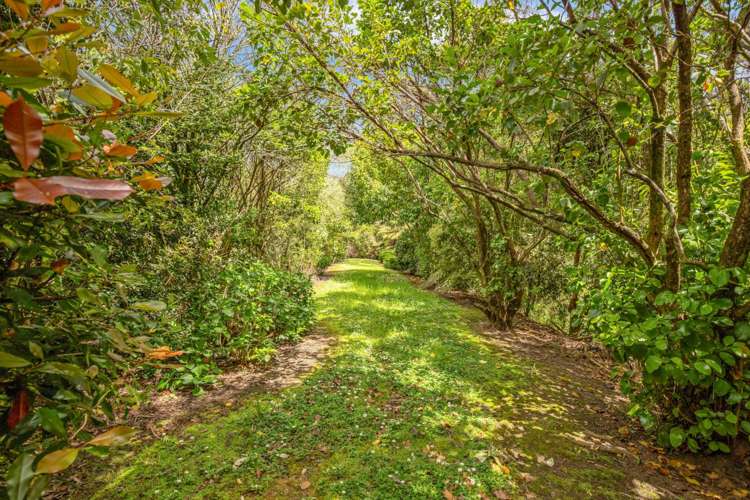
pixel 240 314
pixel 690 385
pixel 388 257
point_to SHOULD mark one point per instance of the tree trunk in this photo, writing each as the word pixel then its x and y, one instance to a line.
pixel 685 119
pixel 683 172
pixel 656 172
pixel 737 245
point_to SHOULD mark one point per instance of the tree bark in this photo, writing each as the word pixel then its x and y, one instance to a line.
pixel 685 103
pixel 656 172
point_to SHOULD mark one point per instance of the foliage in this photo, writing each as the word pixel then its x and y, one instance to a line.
pixel 238 313
pixel 690 346
pixel 581 140
pixel 72 326
pixel 103 275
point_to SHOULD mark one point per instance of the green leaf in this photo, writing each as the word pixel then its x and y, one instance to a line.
pixel 730 417
pixel 655 80
pixel 36 350
pixel 720 304
pixel 19 476
pixel 722 387
pixel 72 373
pixel 10 361
pixel 30 83
pixel 742 330
pixel 727 358
pixel 702 367
pixel 718 276
pixel 664 298
pixel 706 309
pixel 38 485
pixel 86 295
pixel 676 436
pixel 715 365
pixel 150 306
pixel 623 109
pixel 653 363
pixel 51 421
pixel 745 425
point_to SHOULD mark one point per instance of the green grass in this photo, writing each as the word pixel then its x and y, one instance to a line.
pixel 411 403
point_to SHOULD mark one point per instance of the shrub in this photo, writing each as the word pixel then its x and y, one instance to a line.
pixel 70 325
pixel 691 386
pixel 239 314
pixel 388 257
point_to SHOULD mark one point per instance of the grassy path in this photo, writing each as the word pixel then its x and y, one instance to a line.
pixel 412 403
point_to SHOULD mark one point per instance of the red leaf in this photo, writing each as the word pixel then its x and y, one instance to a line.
pixel 37 191
pixel 48 4
pixel 43 191
pixel 19 409
pixel 94 189
pixel 23 128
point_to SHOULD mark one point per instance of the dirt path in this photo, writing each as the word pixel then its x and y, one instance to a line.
pixel 170 410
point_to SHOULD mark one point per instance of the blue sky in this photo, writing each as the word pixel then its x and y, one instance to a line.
pixel 339 168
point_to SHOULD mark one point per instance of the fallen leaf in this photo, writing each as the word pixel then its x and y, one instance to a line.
pixel 448 495
pixel 304 485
